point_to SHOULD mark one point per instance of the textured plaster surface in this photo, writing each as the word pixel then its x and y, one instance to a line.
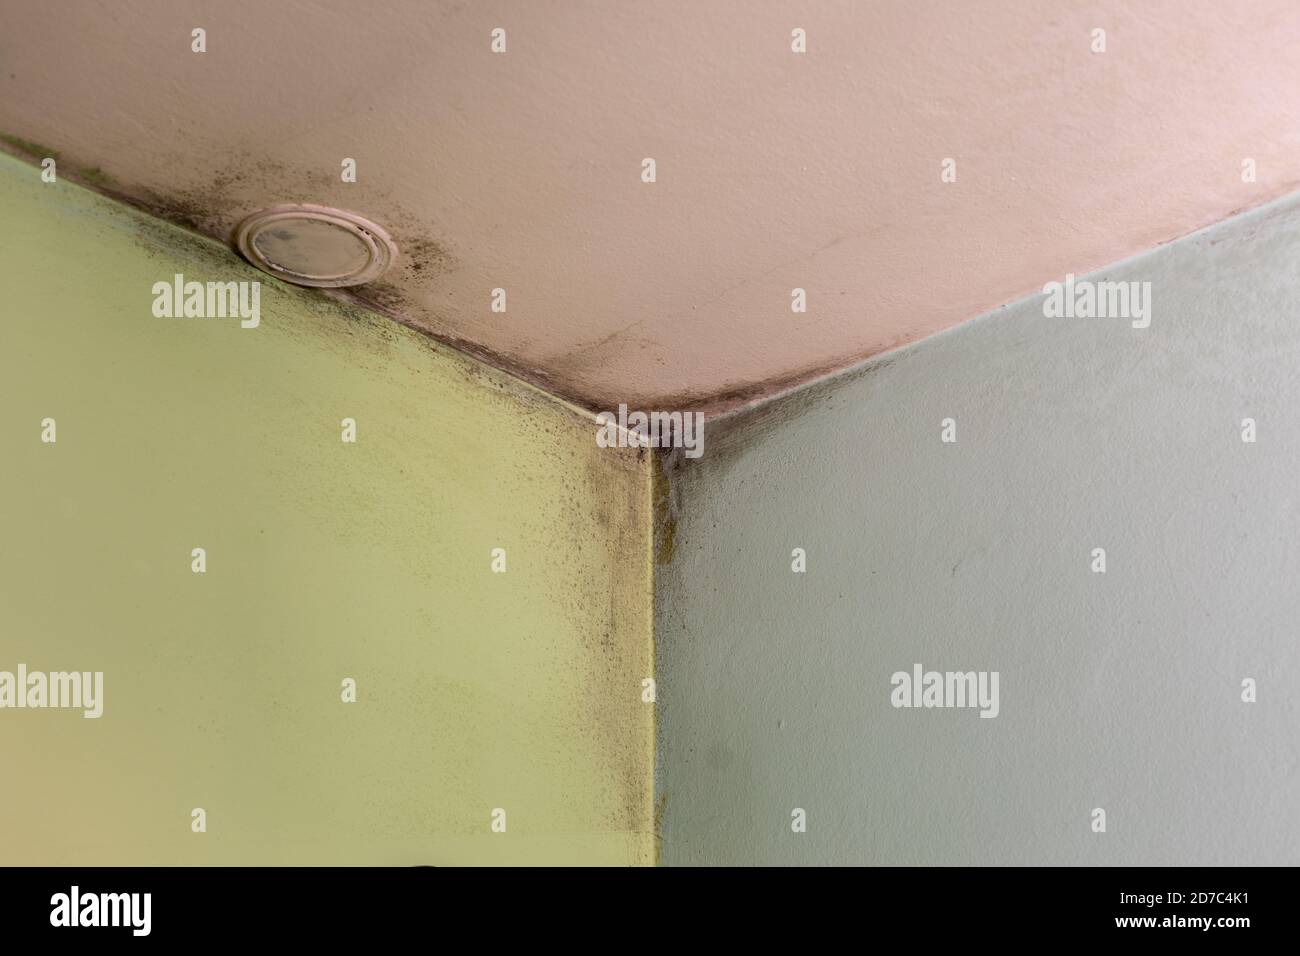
pixel 1118 691
pixel 222 690
pixel 775 170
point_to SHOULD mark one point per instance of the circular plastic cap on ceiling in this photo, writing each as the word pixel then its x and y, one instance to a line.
pixel 315 245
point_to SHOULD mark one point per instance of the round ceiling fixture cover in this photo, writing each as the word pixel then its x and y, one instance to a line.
pixel 315 245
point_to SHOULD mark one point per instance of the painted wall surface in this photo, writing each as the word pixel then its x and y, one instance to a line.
pixel 1119 690
pixel 324 560
pixel 775 170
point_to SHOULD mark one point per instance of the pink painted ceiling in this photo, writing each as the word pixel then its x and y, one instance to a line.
pixel 775 170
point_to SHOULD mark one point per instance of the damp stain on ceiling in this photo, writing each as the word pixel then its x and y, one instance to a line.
pixel 775 170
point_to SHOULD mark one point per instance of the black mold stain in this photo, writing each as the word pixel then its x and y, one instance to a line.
pixel 733 398
pixel 240 187
pixel 27 147
pixel 159 237
pixel 96 176
pixel 383 296
pixel 665 512
pixel 423 258
pixel 216 207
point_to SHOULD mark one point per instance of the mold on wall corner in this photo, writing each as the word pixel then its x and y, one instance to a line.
pixel 665 509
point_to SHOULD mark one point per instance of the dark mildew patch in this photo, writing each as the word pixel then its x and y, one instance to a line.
pixel 665 507
pixel 214 206
pixel 382 296
pixel 27 147
pixel 163 239
pixel 228 195
pixel 423 258
pixel 731 434
pixel 95 176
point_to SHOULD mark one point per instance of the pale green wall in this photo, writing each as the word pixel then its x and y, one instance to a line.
pixel 325 560
pixel 1120 691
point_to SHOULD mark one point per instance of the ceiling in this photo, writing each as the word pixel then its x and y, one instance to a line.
pixel 775 170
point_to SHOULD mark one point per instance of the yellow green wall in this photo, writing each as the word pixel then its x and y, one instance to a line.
pixel 325 560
